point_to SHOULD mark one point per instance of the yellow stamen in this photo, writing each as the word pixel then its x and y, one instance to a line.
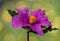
pixel 32 19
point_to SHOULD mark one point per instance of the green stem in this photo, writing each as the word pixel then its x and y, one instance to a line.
pixel 28 35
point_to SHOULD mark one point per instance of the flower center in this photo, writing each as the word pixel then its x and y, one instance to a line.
pixel 32 19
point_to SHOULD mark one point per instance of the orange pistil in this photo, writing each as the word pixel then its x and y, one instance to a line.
pixel 32 19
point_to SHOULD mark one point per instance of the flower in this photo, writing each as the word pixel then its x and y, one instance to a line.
pixel 34 20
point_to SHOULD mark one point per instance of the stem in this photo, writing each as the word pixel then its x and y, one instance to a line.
pixel 28 35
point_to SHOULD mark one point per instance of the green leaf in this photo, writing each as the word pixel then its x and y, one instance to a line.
pixel 12 13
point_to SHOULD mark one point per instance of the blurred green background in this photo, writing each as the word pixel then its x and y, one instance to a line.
pixel 7 33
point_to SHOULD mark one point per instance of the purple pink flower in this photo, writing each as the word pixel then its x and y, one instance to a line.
pixel 34 20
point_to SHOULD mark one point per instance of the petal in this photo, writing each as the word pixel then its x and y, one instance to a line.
pixel 46 23
pixel 22 11
pixel 41 17
pixel 24 15
pixel 37 28
pixel 16 22
pixel 38 12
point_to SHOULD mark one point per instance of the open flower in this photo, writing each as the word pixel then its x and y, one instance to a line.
pixel 35 20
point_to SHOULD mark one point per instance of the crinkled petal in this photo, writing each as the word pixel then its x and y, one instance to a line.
pixel 22 11
pixel 16 22
pixel 37 28
pixel 38 12
pixel 24 15
pixel 46 23
pixel 41 17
